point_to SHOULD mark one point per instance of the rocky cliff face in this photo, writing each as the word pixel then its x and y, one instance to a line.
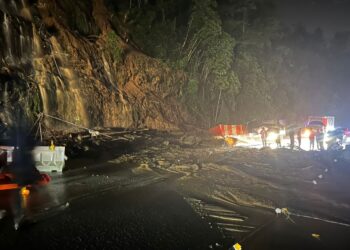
pixel 64 58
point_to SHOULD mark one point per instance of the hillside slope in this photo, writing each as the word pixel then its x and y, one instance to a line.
pixel 65 59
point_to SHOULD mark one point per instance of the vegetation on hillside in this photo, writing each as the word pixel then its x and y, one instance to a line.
pixel 240 62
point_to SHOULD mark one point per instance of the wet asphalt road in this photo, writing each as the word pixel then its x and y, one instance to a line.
pixel 151 217
pixel 123 211
pixel 287 235
pixel 115 204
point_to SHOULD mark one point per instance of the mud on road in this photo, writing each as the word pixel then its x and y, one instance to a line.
pixel 209 197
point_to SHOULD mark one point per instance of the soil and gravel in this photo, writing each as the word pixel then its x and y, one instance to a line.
pixel 170 190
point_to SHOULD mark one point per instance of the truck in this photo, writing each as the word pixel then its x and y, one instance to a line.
pixel 325 122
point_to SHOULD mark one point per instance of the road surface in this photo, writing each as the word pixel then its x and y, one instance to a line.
pixel 174 191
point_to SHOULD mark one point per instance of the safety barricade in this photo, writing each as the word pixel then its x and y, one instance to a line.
pixel 6 153
pixel 228 130
pixel 48 160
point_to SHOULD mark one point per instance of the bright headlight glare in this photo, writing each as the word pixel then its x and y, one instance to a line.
pixel 306 133
pixel 272 136
pixel 330 128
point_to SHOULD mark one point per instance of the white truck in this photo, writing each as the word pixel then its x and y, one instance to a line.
pixel 326 122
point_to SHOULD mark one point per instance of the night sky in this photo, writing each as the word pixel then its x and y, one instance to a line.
pixel 329 15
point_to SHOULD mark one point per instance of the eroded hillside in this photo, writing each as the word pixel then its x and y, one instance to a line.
pixel 65 59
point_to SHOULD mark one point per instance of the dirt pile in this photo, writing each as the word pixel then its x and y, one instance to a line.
pixel 236 189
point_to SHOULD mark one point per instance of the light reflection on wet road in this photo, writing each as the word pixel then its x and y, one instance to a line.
pixel 98 208
pixel 77 184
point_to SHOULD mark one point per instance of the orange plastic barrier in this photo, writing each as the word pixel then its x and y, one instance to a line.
pixel 228 130
pixel 7 184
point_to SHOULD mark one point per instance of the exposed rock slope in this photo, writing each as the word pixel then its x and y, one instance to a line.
pixel 65 59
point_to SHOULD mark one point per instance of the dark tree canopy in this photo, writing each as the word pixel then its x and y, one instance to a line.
pixel 241 63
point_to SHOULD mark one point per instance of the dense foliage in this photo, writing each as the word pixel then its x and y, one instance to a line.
pixel 240 62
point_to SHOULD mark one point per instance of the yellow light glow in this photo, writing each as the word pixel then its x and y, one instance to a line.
pixel 307 133
pixel 237 246
pixel 25 191
pixel 272 136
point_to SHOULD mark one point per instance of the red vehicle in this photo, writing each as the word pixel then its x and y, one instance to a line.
pixel 7 179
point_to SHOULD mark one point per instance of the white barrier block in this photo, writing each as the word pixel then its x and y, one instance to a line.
pixel 9 152
pixel 47 160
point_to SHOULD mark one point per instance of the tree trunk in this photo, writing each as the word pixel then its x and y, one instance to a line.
pixel 217 107
pixel 243 23
pixel 186 37
pixel 244 18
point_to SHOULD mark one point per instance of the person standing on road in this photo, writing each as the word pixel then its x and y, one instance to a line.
pixel 278 141
pixel 319 139
pixel 263 134
pixel 299 138
pixel 312 139
pixel 291 137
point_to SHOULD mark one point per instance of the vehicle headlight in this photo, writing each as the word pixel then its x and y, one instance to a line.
pixel 330 128
pixel 272 136
pixel 307 133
